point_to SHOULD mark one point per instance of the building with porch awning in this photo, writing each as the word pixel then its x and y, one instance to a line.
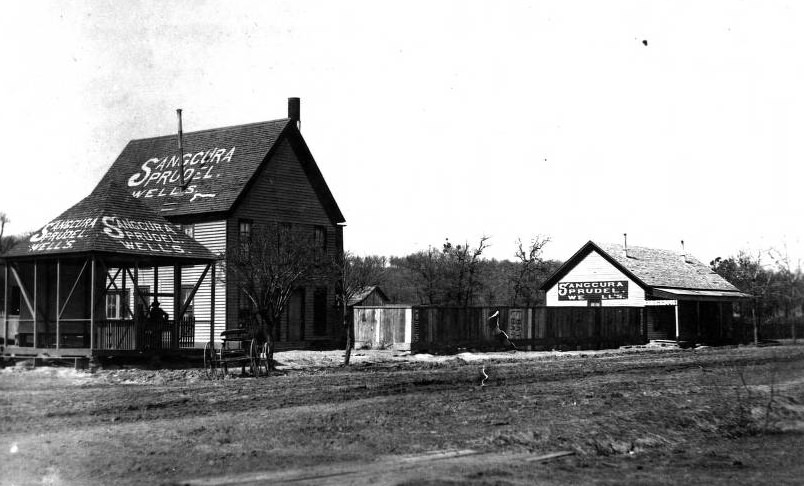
pixel 72 289
pixel 681 298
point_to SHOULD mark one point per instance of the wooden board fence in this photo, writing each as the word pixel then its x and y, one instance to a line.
pixel 448 328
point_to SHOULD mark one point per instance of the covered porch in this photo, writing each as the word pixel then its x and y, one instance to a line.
pixel 700 316
pixel 93 305
pixel 73 289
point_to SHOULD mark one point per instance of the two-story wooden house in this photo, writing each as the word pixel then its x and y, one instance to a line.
pixel 236 179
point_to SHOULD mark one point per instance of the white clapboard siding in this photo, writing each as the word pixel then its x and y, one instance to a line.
pixel 595 268
pixel 212 235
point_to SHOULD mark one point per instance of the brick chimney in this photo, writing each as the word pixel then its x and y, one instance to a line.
pixel 684 253
pixel 294 111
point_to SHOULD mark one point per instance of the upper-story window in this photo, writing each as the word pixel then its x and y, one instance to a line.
pixel 321 237
pixel 320 240
pixel 244 233
pixel 284 233
pixel 244 230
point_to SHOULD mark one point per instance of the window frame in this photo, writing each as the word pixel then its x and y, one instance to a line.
pixel 15 301
pixel 186 290
pixel 120 297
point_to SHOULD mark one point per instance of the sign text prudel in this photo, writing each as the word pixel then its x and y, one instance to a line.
pixel 600 290
pixel 161 177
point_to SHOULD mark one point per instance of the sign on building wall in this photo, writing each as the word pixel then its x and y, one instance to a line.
pixel 600 290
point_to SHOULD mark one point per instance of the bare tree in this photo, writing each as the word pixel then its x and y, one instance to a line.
pixel 425 270
pixel 749 275
pixel 355 275
pixel 530 267
pixel 267 267
pixel 790 278
pixel 3 220
pixel 461 266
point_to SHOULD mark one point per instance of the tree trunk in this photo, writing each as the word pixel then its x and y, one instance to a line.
pixel 270 355
pixel 756 324
pixel 349 327
pixel 792 319
pixel 267 331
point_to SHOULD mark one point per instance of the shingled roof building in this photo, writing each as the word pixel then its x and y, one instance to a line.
pixel 682 298
pixel 60 295
pixel 236 179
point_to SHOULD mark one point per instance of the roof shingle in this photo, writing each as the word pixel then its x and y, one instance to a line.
pixel 218 164
pixel 664 268
pixel 110 220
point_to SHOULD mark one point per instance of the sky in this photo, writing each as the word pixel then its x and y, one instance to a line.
pixel 576 120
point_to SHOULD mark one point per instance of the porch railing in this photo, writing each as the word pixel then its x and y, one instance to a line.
pixel 145 335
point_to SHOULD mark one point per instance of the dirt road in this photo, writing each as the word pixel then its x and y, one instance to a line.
pixel 716 416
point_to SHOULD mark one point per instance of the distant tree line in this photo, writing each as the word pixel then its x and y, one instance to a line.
pixel 776 287
pixel 460 275
pixel 7 242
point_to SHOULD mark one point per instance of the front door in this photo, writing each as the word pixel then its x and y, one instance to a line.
pixel 296 316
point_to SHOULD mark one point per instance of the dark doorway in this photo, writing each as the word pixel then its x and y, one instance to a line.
pixel 296 316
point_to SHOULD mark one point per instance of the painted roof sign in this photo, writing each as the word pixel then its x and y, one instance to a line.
pixel 218 164
pixel 159 177
pixel 111 221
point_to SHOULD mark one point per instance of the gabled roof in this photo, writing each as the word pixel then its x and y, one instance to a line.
pixel 362 294
pixel 650 268
pixel 111 221
pixel 219 164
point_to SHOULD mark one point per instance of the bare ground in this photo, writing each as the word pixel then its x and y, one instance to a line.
pixel 714 416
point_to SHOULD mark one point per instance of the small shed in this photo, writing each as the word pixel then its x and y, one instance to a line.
pixel 61 291
pixel 369 296
pixel 680 297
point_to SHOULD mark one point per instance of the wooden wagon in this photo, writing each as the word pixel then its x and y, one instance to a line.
pixel 241 348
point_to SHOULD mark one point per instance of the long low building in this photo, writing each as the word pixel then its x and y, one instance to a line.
pixel 682 299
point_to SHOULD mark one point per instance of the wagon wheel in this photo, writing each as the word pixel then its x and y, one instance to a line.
pixel 223 362
pixel 262 359
pixel 266 365
pixel 254 351
pixel 210 358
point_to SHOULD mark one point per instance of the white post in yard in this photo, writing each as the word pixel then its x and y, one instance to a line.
pixel 36 342
pixel 212 305
pixel 5 304
pixel 58 305
pixel 678 328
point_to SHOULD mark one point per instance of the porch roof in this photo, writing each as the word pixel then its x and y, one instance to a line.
pixel 695 294
pixel 112 222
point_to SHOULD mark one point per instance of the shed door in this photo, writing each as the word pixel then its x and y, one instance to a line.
pixel 296 316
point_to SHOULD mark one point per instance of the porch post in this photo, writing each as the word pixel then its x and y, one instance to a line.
pixel 698 319
pixel 93 271
pixel 58 302
pixel 678 329
pixel 35 310
pixel 5 304
pixel 139 333
pixel 156 283
pixel 211 305
pixel 124 305
pixel 174 331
